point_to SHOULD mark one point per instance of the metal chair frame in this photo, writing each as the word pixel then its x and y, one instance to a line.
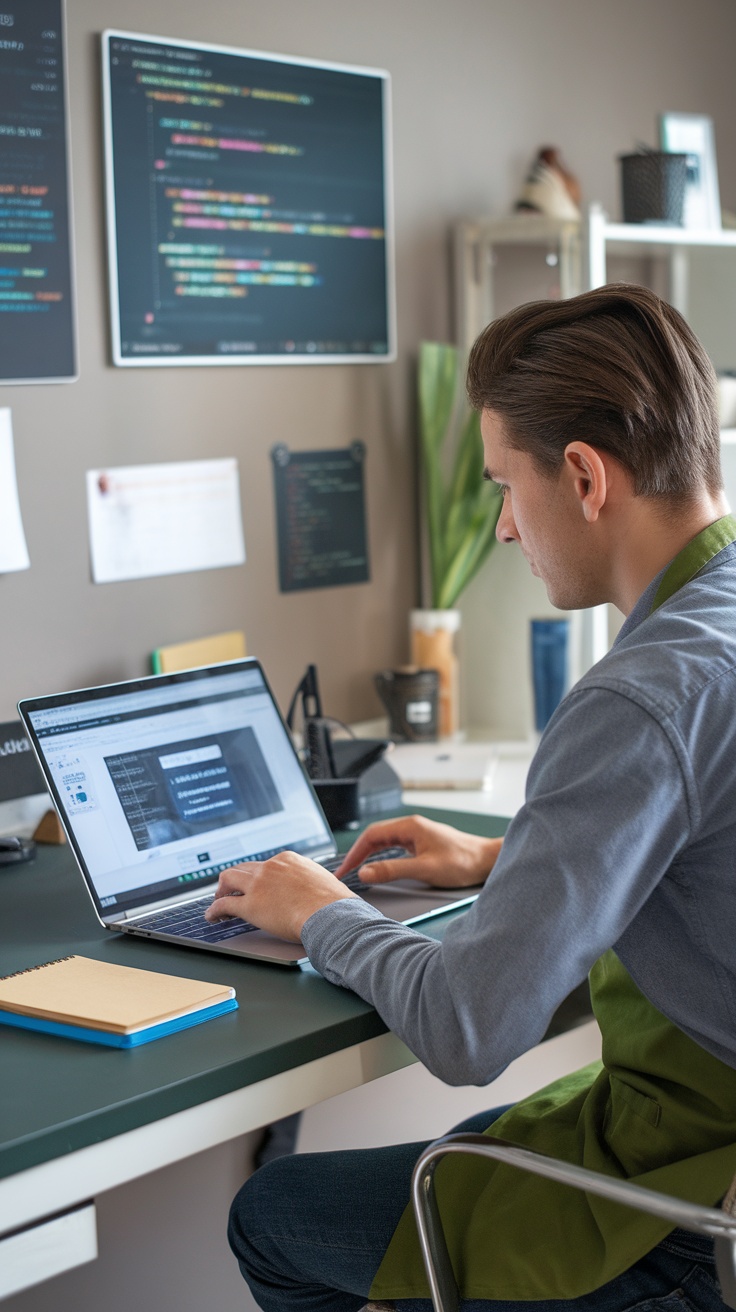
pixel 718 1224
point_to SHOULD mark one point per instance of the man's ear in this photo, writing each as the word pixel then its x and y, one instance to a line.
pixel 589 477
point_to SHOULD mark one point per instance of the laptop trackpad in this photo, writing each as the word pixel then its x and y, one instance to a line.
pixel 257 943
pixel 407 900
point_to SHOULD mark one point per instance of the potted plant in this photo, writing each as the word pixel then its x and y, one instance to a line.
pixel 462 511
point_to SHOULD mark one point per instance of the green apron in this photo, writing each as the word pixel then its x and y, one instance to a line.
pixel 658 1110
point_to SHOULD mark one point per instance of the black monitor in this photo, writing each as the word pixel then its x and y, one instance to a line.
pixel 249 214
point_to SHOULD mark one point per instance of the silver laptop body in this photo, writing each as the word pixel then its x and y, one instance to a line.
pixel 161 783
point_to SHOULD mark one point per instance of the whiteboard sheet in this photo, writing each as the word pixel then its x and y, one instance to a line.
pixel 13 550
pixel 147 520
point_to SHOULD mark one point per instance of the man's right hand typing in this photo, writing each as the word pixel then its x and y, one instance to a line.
pixel 441 856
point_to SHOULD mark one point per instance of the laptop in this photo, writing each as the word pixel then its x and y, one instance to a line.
pixel 162 783
pixel 461 766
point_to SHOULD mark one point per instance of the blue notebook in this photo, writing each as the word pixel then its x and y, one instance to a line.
pixel 118 1040
pixel 100 1002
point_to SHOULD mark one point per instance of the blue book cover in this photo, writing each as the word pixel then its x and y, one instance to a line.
pixel 110 1040
pixel 97 1001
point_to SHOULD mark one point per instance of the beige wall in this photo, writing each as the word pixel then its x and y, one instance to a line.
pixel 478 85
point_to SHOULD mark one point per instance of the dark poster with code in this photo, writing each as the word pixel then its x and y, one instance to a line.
pixel 320 517
pixel 249 217
pixel 36 311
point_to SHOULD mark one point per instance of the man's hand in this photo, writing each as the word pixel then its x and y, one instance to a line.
pixel 442 856
pixel 278 895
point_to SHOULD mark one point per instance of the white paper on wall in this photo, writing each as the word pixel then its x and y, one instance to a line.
pixel 13 550
pixel 146 520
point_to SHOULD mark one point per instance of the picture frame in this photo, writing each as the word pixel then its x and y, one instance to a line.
pixel 693 135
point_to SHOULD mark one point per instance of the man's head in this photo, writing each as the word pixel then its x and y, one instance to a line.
pixel 599 421
pixel 616 368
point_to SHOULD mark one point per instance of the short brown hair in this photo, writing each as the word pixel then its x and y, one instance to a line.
pixel 616 367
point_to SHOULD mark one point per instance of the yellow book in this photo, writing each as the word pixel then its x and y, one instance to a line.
pixel 199 651
pixel 99 1002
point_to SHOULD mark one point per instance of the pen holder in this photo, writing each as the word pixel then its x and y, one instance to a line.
pixel 340 801
pixel 359 792
pixel 653 187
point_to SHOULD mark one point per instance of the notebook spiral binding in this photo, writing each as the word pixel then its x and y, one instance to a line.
pixel 28 969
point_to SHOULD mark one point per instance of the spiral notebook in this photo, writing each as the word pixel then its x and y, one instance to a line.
pixel 100 1002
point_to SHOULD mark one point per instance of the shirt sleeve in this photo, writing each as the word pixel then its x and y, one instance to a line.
pixel 609 805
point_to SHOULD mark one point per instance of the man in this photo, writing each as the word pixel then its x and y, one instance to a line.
pixel 599 423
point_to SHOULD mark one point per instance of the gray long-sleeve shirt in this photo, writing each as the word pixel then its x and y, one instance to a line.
pixel 627 839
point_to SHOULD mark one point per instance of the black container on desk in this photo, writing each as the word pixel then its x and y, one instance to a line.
pixel 653 187
pixel 351 799
pixel 411 697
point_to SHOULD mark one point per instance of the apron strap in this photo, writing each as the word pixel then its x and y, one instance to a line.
pixel 693 557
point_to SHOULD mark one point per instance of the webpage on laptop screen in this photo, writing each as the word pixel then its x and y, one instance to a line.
pixel 165 786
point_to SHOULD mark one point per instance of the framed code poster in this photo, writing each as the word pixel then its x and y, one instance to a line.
pixel 37 328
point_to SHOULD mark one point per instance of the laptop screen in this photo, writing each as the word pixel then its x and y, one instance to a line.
pixel 164 782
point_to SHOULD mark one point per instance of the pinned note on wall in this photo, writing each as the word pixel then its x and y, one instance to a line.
pixel 13 549
pixel 147 520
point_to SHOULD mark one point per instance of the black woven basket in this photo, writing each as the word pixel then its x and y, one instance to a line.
pixel 653 187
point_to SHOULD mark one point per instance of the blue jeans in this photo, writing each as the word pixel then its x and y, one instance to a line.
pixel 310 1231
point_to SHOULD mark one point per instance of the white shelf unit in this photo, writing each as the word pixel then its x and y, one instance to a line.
pixel 649 240
pixel 671 246
pixel 474 259
pixel 581 249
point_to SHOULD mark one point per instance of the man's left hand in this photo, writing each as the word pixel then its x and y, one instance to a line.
pixel 278 895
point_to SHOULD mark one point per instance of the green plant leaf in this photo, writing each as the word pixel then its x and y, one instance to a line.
pixel 459 516
pixel 476 546
pixel 438 366
pixel 437 385
pixel 468 460
pixel 462 510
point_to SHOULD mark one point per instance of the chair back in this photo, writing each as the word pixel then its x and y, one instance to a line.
pixel 718 1224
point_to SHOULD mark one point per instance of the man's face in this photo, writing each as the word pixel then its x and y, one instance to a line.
pixel 543 514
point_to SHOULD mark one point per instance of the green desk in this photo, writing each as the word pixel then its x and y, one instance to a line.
pixel 76 1120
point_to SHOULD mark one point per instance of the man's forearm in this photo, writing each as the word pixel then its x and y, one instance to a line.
pixel 445 1017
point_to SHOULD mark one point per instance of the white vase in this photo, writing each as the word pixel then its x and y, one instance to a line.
pixel 432 648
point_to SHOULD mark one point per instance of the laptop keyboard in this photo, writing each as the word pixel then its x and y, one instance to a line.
pixel 187 920
pixel 350 878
